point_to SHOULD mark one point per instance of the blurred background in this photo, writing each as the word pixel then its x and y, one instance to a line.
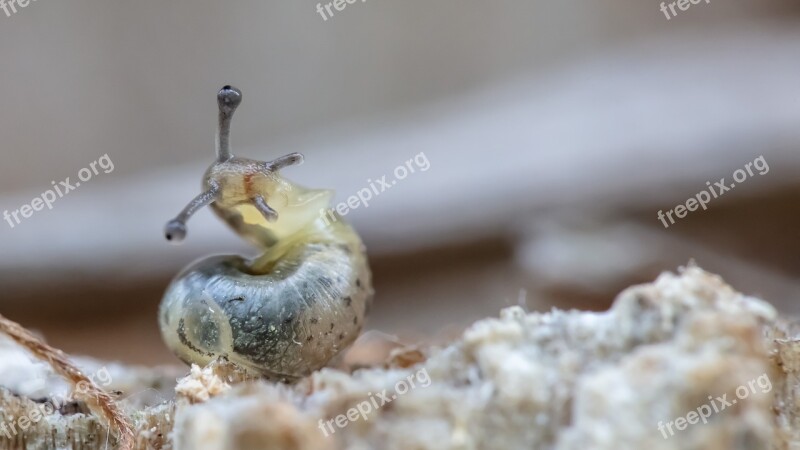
pixel 555 132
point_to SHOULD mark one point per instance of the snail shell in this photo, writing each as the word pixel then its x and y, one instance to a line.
pixel 285 313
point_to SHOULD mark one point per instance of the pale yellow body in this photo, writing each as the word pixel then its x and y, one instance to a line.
pixel 240 180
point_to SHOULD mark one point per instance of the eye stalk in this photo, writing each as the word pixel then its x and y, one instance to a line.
pixel 175 230
pixel 228 99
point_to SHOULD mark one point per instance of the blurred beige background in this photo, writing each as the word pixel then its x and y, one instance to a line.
pixel 555 132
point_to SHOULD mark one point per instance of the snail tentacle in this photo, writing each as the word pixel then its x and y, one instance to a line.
pixel 175 229
pixel 291 159
pixel 228 99
pixel 270 214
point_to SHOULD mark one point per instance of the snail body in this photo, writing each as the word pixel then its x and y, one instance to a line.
pixel 282 314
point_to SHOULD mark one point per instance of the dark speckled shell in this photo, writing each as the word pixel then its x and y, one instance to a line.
pixel 283 324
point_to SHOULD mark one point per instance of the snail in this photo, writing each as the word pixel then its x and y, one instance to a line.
pixel 287 312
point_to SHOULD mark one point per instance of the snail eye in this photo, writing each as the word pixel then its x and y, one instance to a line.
pixel 229 98
pixel 175 231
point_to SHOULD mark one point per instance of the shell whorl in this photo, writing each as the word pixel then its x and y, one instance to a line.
pixel 283 324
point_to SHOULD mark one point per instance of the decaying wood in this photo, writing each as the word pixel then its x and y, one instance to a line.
pixel 98 401
pixel 560 380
